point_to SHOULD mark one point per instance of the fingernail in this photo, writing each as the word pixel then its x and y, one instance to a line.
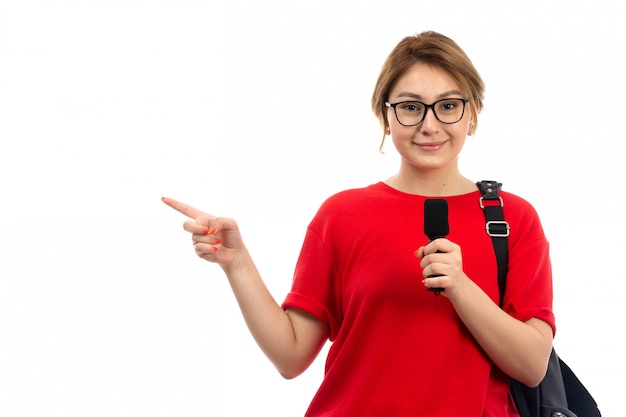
pixel 214 248
pixel 212 230
pixel 217 241
pixel 205 231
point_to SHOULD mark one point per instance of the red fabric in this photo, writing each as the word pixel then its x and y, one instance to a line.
pixel 397 349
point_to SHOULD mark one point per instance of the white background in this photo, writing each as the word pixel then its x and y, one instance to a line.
pixel 259 111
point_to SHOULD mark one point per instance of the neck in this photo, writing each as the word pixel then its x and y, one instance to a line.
pixel 432 184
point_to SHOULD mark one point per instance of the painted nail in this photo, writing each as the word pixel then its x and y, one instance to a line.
pixel 217 241
pixel 212 230
pixel 205 231
pixel 214 248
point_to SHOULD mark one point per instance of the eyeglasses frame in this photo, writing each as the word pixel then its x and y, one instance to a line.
pixel 426 107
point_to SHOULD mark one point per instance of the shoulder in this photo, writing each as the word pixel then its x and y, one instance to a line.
pixel 350 207
pixel 515 200
pixel 355 197
pixel 522 216
pixel 517 205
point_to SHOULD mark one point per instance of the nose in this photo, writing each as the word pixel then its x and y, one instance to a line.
pixel 430 124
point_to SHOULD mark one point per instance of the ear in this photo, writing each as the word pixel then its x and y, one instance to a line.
pixel 471 127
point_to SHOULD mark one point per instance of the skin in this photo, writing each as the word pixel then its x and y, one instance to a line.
pixel 429 151
pixel 429 166
pixel 292 339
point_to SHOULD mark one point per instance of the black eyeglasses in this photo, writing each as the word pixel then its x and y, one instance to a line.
pixel 411 113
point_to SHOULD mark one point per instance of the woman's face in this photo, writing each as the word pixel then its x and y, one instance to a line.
pixel 430 145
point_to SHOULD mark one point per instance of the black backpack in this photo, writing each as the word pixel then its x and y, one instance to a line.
pixel 560 394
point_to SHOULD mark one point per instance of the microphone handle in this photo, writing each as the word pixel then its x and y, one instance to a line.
pixel 437 291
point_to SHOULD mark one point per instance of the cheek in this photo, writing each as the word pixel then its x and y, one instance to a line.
pixel 393 127
pixel 401 133
pixel 460 129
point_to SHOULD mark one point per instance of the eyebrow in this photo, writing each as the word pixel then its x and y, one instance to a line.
pixel 442 95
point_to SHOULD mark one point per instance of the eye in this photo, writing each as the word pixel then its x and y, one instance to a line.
pixel 411 107
pixel 448 105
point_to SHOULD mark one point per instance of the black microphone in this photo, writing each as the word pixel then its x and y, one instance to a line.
pixel 436 225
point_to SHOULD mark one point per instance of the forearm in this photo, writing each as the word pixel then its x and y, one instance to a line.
pixel 290 340
pixel 520 349
pixel 268 323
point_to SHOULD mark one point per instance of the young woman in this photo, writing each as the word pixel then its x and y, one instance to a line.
pixel 363 274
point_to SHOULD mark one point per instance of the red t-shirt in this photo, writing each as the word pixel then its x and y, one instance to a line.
pixel 398 350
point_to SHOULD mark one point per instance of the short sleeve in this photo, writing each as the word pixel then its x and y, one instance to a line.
pixel 315 287
pixel 529 289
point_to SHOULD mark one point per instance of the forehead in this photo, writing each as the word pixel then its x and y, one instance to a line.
pixel 424 81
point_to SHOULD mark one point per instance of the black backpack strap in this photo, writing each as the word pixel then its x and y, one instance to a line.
pixel 491 203
pixel 498 229
pixel 560 393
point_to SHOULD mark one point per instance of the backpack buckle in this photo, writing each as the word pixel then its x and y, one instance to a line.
pixel 482 206
pixel 498 228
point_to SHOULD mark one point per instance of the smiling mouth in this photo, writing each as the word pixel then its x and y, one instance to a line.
pixel 430 146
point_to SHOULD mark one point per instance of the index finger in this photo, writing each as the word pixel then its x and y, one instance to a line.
pixel 183 208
